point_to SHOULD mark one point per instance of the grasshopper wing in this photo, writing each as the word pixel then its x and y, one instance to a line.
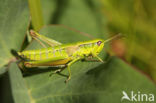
pixel 38 37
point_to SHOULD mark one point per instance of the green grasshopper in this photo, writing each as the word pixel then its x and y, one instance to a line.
pixel 60 55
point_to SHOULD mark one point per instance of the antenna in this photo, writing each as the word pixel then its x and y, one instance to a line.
pixel 112 38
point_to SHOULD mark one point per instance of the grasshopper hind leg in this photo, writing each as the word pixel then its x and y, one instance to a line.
pixel 61 68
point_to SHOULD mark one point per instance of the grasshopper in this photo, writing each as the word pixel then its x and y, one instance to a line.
pixel 60 55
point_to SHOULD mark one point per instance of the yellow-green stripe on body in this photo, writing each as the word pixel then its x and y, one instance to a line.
pixel 42 54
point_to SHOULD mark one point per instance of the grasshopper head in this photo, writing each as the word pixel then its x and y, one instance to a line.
pixel 99 46
pixel 101 42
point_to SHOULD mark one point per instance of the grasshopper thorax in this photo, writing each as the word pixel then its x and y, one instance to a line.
pixel 92 47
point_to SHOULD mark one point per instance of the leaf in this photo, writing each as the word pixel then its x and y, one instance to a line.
pixel 83 15
pixel 3 70
pixel 13 25
pixel 5 88
pixel 91 82
pixel 19 90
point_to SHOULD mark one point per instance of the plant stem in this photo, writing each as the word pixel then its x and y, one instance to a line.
pixel 36 14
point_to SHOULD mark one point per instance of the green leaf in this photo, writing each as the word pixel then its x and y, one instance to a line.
pixel 83 15
pixel 91 82
pixel 3 70
pixel 13 25
pixel 20 91
pixel 5 88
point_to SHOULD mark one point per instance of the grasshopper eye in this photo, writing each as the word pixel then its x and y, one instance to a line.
pixel 99 43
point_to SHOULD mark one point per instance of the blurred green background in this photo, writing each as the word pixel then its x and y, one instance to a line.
pixel 136 20
pixel 82 20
